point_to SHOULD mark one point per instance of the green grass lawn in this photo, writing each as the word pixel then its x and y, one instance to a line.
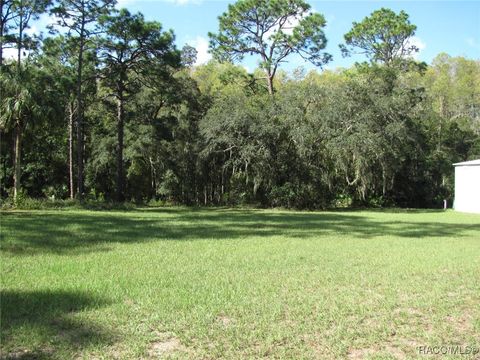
pixel 183 283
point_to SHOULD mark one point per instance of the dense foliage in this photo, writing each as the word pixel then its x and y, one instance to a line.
pixel 109 109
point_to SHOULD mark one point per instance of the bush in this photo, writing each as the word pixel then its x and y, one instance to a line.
pixel 159 203
pixel 28 203
pixel 56 192
pixel 298 196
pixel 343 201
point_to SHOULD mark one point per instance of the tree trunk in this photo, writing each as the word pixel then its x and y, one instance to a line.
pixel 120 121
pixel 270 84
pixel 16 162
pixel 153 190
pixel 70 150
pixel 80 185
pixel 384 183
pixel 19 44
pixel 223 181
pixel 20 38
pixel 442 116
pixel 17 172
pixel 1 34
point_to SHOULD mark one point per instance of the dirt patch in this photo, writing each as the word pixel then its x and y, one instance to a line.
pixel 409 343
pixel 357 354
pixel 168 344
pixel 369 322
pixel 410 311
pixel 129 302
pixel 462 324
pixel 319 348
pixel 27 354
pixel 395 352
pixel 118 352
pixel 225 320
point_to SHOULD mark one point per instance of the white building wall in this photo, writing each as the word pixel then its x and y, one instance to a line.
pixel 467 188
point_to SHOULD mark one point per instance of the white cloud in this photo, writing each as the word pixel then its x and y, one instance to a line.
pixel 289 25
pixel 293 22
pixel 32 30
pixel 185 2
pixel 418 43
pixel 472 43
pixel 126 3
pixel 201 45
pixel 247 69
pixel 123 3
pixel 10 53
pixel 330 18
pixel 55 21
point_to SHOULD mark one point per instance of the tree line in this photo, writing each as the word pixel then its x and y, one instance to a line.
pixel 106 107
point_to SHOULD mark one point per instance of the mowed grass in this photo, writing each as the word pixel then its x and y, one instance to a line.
pixel 183 283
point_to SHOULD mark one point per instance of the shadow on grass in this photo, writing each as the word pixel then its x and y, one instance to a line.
pixel 40 323
pixel 73 232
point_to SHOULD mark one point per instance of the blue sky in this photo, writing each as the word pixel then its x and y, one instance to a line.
pixel 442 26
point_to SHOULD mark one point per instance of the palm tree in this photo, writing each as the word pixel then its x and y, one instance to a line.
pixel 17 107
